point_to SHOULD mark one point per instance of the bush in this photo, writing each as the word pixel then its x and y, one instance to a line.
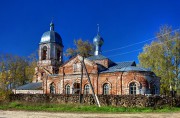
pixel 178 92
pixel 4 95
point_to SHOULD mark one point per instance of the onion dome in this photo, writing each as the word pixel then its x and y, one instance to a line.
pixel 98 42
pixel 51 36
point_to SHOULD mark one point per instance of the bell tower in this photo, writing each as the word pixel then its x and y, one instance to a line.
pixel 50 53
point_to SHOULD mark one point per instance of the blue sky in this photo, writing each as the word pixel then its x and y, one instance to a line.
pixel 122 23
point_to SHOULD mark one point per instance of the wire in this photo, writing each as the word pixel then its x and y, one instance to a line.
pixel 124 53
pixel 139 42
pixel 141 49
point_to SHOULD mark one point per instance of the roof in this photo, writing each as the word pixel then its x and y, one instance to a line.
pixel 125 64
pixel 51 37
pixel 117 66
pixel 133 68
pixel 30 86
pixel 97 57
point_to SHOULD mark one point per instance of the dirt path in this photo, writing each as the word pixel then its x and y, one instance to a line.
pixel 27 114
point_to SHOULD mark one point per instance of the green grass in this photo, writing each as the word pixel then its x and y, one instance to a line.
pixel 82 108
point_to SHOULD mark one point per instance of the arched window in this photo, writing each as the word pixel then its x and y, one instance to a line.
pixel 77 67
pixel 86 89
pixel 52 88
pixel 58 55
pixel 106 89
pixel 74 67
pixel 67 89
pixel 44 53
pixel 132 88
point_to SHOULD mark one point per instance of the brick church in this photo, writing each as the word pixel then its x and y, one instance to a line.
pixel 54 76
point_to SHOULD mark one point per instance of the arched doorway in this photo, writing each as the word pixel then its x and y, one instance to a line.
pixel 52 88
pixel 76 88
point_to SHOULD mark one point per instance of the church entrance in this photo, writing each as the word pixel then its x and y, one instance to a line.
pixel 76 88
pixel 52 88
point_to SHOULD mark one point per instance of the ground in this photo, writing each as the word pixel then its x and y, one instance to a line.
pixel 27 114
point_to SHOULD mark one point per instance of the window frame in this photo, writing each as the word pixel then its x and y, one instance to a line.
pixel 67 89
pixel 76 67
pixel 86 89
pixel 133 88
pixel 106 89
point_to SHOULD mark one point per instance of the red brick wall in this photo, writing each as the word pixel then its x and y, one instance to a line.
pixel 118 81
pixel 103 62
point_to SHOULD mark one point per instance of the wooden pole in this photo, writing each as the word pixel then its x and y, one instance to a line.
pixel 80 93
pixel 63 81
pixel 46 83
pixel 94 95
pixel 121 82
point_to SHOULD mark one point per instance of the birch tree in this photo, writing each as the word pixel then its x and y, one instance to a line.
pixel 163 57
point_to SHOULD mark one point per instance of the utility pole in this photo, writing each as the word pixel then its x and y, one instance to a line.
pixel 63 81
pixel 46 82
pixel 80 93
pixel 94 95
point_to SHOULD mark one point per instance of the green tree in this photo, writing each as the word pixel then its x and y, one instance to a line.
pixel 30 69
pixel 163 57
pixel 83 48
pixel 16 70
